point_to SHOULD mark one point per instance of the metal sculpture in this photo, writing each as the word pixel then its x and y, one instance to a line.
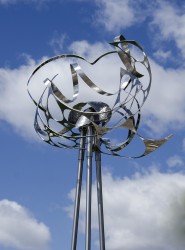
pixel 87 125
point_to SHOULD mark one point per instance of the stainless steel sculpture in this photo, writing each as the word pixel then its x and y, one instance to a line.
pixel 86 125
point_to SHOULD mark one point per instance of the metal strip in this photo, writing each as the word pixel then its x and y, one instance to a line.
pixel 78 190
pixel 89 187
pixel 100 196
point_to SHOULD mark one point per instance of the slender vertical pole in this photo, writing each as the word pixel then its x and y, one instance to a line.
pixel 100 196
pixel 78 190
pixel 90 138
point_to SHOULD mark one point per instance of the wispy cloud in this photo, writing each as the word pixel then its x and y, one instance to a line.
pixel 57 42
pixel 168 21
pixel 175 161
pixel 119 14
pixel 162 55
pixel 20 230
pixel 143 212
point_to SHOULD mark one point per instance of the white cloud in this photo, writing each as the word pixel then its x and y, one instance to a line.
pixel 20 230
pixel 169 20
pixel 164 108
pixel 119 14
pixel 16 107
pixel 88 50
pixel 175 161
pixel 162 55
pixel 141 213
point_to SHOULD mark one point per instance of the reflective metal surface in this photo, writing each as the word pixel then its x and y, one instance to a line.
pixel 98 114
pixel 78 190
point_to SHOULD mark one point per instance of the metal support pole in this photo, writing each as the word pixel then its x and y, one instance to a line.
pixel 90 138
pixel 78 189
pixel 100 196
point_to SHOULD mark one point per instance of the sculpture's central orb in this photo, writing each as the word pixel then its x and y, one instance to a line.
pixel 96 112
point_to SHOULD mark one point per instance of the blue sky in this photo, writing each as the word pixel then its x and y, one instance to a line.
pixel 144 199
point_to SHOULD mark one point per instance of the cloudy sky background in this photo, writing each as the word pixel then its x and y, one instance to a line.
pixel 144 200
